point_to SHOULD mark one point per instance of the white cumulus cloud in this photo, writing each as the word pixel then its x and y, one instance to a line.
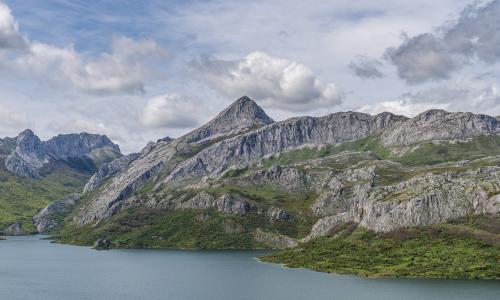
pixel 123 70
pixel 474 36
pixel 273 82
pixel 171 111
pixel 476 96
pixel 10 37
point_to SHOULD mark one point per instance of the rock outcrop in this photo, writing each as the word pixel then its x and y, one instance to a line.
pixel 226 203
pixel 273 240
pixel 242 115
pixel 109 169
pixel 277 214
pixel 29 156
pixel 288 179
pixel 424 199
pixel 438 124
pixel 14 229
pixel 121 186
pixel 103 244
pixel 51 216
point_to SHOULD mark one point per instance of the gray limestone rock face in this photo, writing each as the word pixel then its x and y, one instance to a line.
pixel 287 179
pixel 103 244
pixel 123 184
pixel 239 151
pixel 240 116
pixel 273 240
pixel 277 214
pixel 226 203
pixel 440 125
pixel 243 150
pixel 76 145
pixel 422 200
pixel 14 229
pixel 51 216
pixel 29 156
pixel 109 169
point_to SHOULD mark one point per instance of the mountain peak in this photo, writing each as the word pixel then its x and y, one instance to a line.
pixel 242 114
pixel 244 100
pixel 27 133
pixel 244 108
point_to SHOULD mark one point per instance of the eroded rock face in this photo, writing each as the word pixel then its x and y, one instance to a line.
pixel 51 216
pixel 277 214
pixel 226 203
pixel 103 244
pixel 243 150
pixel 422 200
pixel 240 116
pixel 438 124
pixel 326 224
pixel 14 229
pixel 273 240
pixel 124 184
pixel 286 179
pixel 31 154
pixel 81 144
pixel 109 169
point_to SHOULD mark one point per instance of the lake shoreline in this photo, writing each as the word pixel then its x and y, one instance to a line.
pixel 268 260
pixel 61 271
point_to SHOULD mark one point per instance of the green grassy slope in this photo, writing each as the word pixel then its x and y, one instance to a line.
pixel 467 248
pixel 425 153
pixel 21 198
pixel 154 228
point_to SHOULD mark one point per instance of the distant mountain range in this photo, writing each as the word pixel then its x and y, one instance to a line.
pixel 34 173
pixel 246 181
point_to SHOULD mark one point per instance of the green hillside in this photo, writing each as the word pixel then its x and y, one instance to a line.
pixel 21 198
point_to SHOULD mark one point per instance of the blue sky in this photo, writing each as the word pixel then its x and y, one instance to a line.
pixel 141 70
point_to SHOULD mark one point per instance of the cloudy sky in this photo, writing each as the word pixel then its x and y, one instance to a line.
pixel 141 70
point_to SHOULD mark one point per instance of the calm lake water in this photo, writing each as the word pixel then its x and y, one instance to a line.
pixel 31 268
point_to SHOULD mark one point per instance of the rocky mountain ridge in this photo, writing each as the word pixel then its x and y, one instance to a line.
pixel 242 150
pixel 302 177
pixel 31 154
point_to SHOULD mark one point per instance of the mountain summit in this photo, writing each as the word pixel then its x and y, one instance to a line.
pixel 241 115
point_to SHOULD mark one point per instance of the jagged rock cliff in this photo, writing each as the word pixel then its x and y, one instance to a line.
pixel 14 229
pixel 426 198
pixel 109 169
pixel 242 115
pixel 31 154
pixel 245 149
pixel 51 216
pixel 438 124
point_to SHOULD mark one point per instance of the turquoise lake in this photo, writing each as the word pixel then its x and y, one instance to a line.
pixel 31 268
